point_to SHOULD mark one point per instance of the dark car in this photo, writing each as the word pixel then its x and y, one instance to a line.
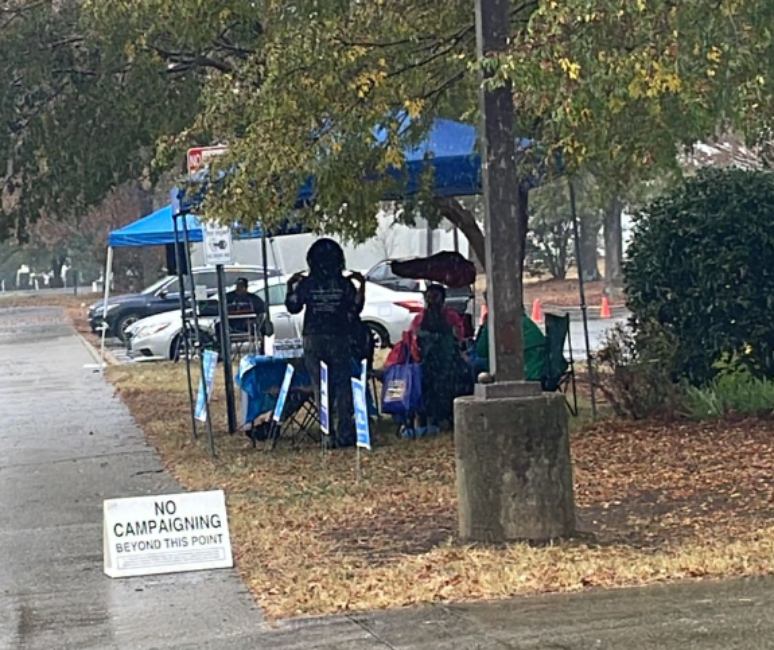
pixel 163 296
pixel 457 299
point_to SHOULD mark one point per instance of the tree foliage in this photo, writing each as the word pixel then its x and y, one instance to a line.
pixel 89 94
pixel 618 84
pixel 296 89
pixel 700 265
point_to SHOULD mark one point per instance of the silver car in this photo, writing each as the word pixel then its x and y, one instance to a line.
pixel 387 313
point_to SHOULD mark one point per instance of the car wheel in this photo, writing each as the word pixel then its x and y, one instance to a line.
pixel 124 323
pixel 381 337
pixel 177 347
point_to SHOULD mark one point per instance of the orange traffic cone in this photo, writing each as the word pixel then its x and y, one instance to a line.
pixel 537 311
pixel 604 311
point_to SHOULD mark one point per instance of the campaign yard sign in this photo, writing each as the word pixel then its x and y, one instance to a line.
pixel 166 534
pixel 210 367
pixel 361 414
pixel 325 423
pixel 283 394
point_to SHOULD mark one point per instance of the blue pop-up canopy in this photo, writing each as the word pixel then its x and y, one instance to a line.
pixel 449 150
pixel 156 229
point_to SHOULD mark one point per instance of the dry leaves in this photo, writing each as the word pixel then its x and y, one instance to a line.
pixel 655 503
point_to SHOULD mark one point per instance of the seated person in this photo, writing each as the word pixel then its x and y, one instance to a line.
pixel 439 331
pixel 241 302
pixel 534 349
pixel 437 310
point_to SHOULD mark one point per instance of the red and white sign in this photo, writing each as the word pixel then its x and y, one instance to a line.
pixel 200 157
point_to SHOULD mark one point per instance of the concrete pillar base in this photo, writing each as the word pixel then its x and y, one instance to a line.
pixel 514 473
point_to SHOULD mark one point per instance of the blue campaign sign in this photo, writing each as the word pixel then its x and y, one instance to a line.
pixel 325 423
pixel 361 414
pixel 283 394
pixel 210 367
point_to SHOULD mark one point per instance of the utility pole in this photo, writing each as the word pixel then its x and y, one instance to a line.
pixel 501 195
pixel 514 475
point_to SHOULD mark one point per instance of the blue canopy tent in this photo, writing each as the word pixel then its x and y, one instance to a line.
pixel 158 229
pixel 449 150
pixel 155 229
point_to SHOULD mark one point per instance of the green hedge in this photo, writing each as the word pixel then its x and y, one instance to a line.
pixel 701 263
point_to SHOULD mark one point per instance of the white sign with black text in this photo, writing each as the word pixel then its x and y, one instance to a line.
pixel 217 244
pixel 166 534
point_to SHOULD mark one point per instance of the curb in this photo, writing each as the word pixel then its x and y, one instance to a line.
pixel 110 359
pixel 593 312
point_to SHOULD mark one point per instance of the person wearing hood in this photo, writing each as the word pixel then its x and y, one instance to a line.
pixel 333 305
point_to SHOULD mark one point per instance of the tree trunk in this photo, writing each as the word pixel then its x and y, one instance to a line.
pixel 589 231
pixel 57 264
pixel 523 210
pixel 463 219
pixel 613 247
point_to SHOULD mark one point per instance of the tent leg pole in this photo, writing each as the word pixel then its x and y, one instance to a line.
pixel 582 293
pixel 106 297
pixel 184 320
pixel 195 306
pixel 269 329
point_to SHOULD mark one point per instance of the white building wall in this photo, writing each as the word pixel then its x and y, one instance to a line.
pixel 392 241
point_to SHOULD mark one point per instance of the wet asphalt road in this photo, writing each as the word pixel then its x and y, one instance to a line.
pixel 67 443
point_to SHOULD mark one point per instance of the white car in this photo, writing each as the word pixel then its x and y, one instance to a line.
pixel 388 313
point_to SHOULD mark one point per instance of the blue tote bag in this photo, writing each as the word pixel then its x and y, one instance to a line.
pixel 402 389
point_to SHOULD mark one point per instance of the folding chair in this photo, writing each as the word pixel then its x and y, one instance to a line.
pixel 559 373
pixel 244 333
pixel 298 419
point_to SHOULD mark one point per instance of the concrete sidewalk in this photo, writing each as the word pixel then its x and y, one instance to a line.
pixel 67 443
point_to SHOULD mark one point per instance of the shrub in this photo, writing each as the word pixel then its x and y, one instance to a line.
pixel 701 264
pixel 636 375
pixel 734 391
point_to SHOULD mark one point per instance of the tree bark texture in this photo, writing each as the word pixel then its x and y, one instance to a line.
pixel 589 231
pixel 613 233
pixel 464 220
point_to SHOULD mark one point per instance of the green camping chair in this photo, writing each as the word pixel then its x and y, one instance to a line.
pixel 558 373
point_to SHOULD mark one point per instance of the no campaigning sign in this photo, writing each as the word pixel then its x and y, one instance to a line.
pixel 166 534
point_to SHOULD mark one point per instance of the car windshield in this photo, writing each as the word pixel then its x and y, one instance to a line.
pixel 156 286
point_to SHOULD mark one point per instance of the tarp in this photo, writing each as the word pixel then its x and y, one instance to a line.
pixel 157 229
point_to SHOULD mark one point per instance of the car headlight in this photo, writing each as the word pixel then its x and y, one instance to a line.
pixel 99 310
pixel 149 330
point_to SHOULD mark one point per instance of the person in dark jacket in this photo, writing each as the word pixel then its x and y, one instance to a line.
pixel 243 303
pixel 445 374
pixel 333 305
